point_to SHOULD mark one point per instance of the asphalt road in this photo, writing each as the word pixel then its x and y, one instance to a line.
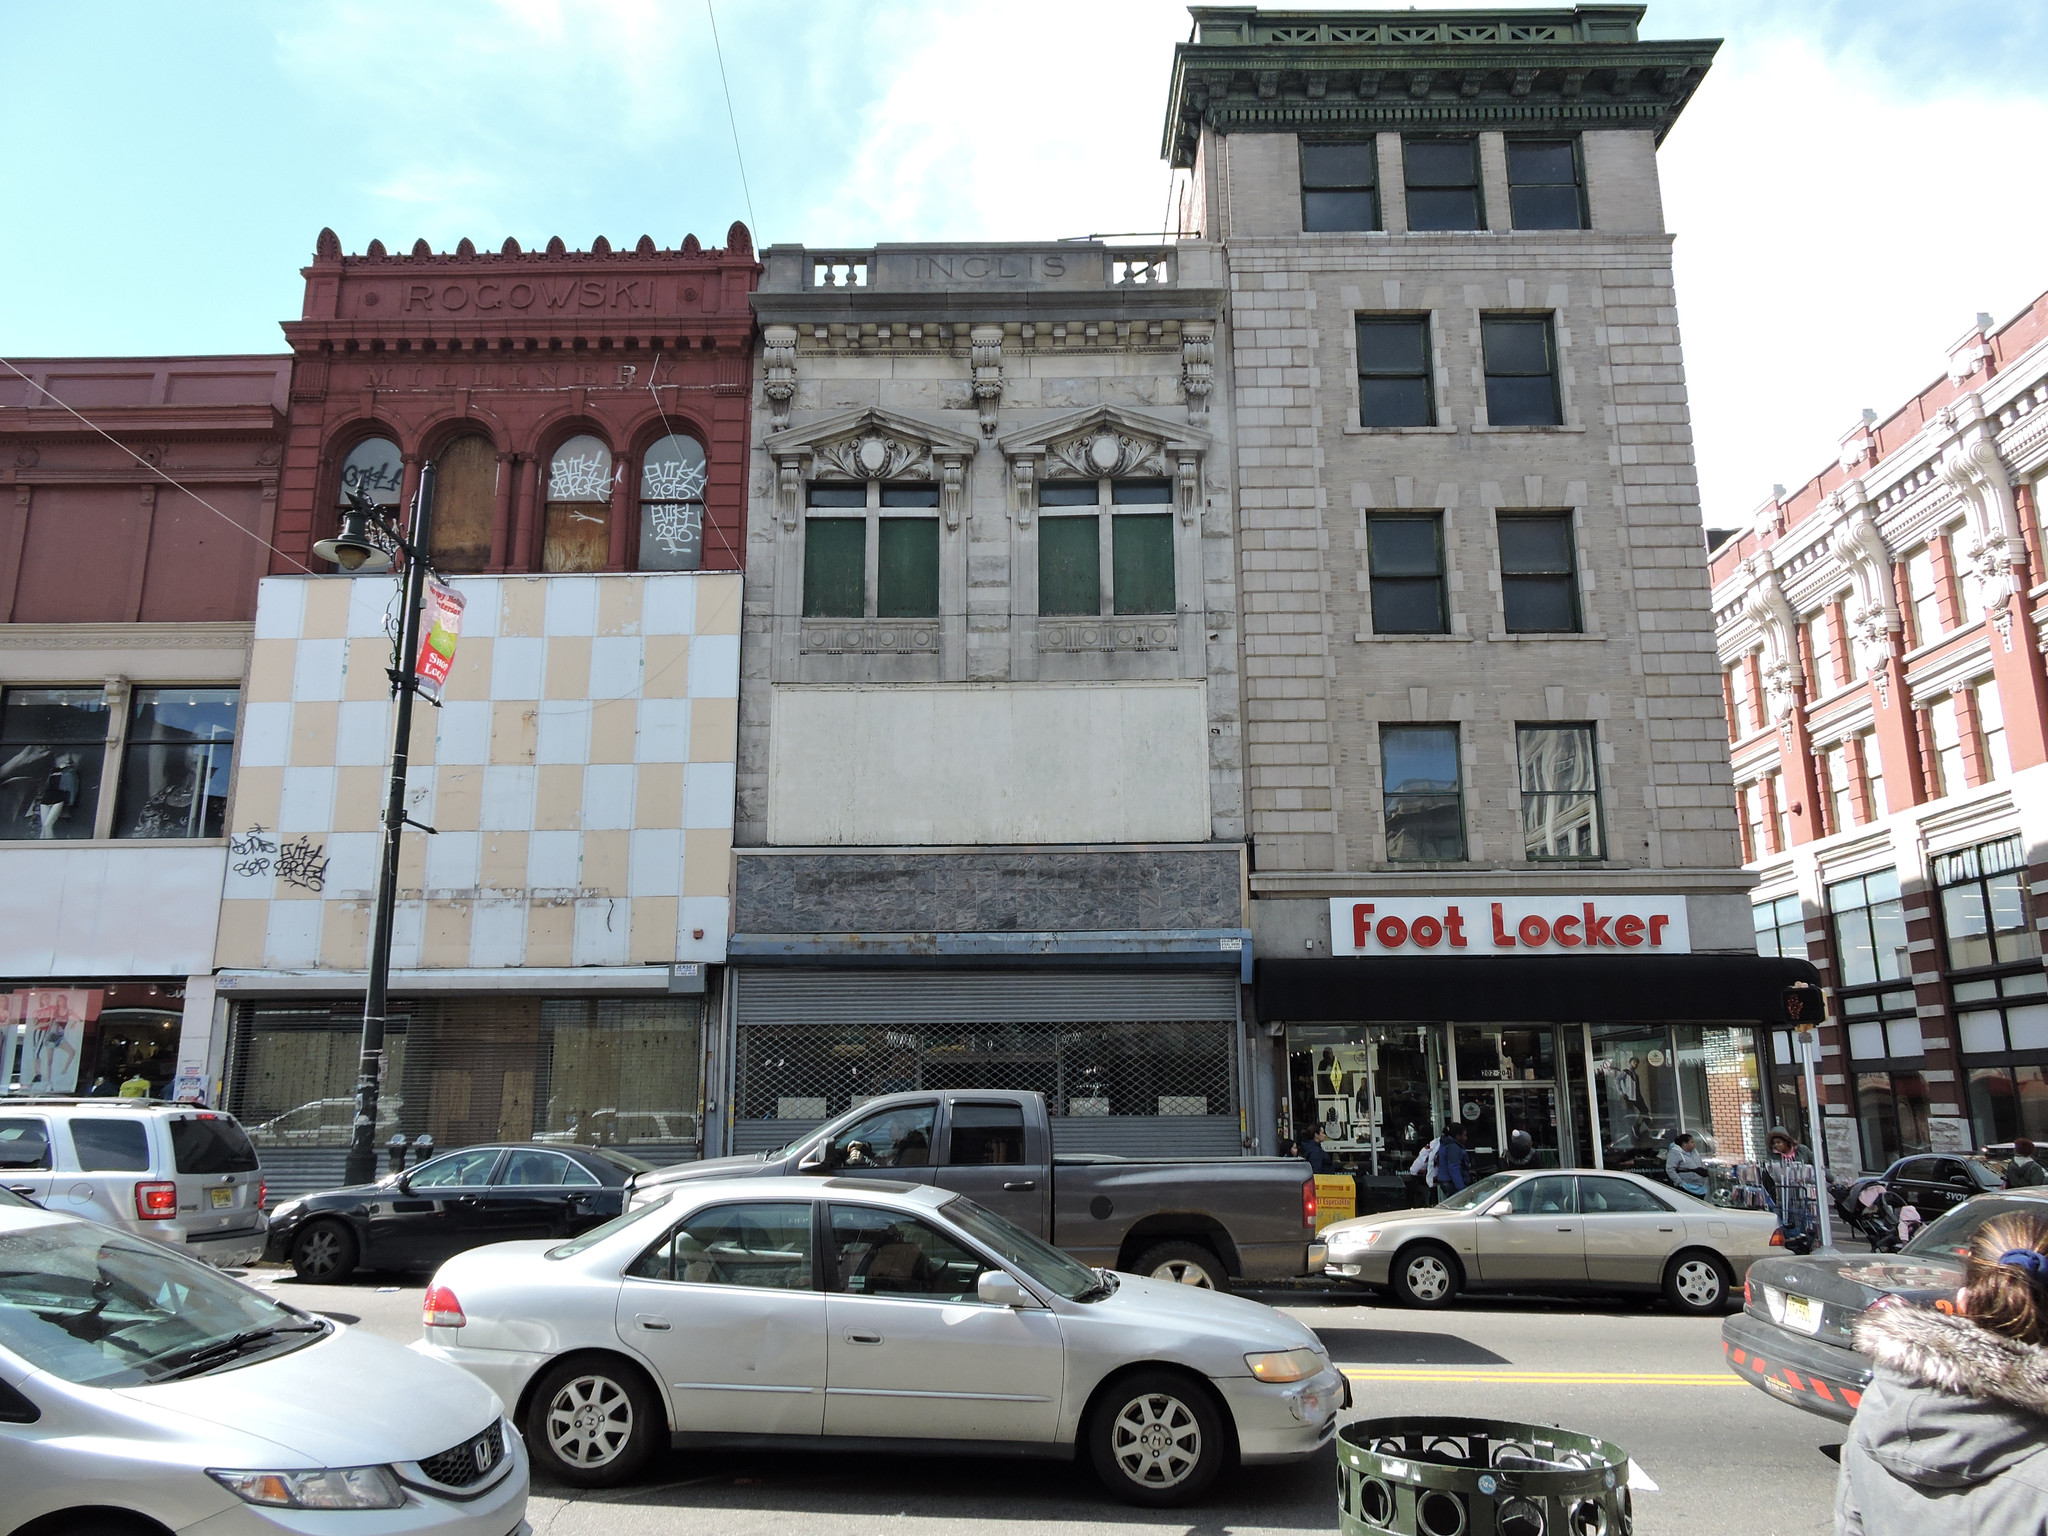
pixel 1727 1459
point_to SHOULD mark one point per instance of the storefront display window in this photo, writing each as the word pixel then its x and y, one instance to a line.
pixel 1653 1081
pixel 1891 1113
pixel 591 1071
pixel 2007 1103
pixel 1374 1089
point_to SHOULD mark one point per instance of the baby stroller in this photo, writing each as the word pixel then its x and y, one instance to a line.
pixel 1880 1220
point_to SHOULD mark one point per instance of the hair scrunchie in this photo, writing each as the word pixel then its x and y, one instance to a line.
pixel 2034 1264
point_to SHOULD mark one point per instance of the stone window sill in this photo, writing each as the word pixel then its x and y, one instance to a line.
pixel 1548 638
pixel 1378 639
pixel 1567 428
pixel 1352 431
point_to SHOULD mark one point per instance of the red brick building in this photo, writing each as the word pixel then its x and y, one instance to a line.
pixel 587 411
pixel 544 384
pixel 1880 630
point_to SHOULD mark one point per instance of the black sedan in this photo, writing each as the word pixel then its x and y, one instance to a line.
pixel 415 1219
pixel 1935 1182
pixel 1793 1336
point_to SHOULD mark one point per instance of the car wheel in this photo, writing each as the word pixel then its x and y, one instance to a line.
pixel 1426 1276
pixel 593 1422
pixel 1157 1439
pixel 324 1253
pixel 1697 1282
pixel 1183 1264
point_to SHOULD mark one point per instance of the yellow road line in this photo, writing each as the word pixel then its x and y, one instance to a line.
pixel 1434 1375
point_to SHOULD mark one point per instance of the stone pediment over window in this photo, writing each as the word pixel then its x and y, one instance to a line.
pixel 1106 442
pixel 866 445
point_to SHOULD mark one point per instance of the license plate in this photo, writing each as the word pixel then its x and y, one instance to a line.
pixel 222 1198
pixel 1802 1313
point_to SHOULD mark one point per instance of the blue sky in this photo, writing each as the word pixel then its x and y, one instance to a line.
pixel 1843 186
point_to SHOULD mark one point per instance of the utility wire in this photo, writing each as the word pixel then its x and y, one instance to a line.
pixel 742 159
pixel 154 470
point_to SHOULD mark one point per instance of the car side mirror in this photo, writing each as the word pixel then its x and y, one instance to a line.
pixel 998 1288
pixel 812 1161
pixel 1501 1208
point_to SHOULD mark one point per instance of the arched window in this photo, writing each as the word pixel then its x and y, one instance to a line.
pixel 465 505
pixel 577 535
pixel 672 505
pixel 374 468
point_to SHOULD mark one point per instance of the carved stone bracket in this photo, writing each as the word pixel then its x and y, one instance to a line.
pixel 1197 371
pixel 1972 468
pixel 1766 606
pixel 789 490
pixel 952 484
pixel 1189 476
pixel 1859 548
pixel 986 344
pixel 779 350
pixel 1024 482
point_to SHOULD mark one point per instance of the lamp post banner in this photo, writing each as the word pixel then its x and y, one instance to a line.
pixel 437 645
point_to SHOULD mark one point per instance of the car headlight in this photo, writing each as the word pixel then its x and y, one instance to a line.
pixel 1354 1237
pixel 1285 1365
pixel 322 1488
pixel 286 1211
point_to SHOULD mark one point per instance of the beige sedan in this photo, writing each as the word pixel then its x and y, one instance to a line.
pixel 1545 1229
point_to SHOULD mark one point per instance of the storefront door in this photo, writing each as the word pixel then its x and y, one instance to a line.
pixel 1492 1115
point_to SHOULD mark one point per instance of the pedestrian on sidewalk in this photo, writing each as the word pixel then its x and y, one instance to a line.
pixel 1684 1167
pixel 1424 1166
pixel 1951 1437
pixel 1453 1164
pixel 2023 1170
pixel 1314 1152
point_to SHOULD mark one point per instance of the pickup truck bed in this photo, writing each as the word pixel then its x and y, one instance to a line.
pixel 1205 1221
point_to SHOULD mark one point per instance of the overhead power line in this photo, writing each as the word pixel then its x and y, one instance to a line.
pixel 726 85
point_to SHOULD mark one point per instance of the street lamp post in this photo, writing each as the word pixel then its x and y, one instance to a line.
pixel 354 552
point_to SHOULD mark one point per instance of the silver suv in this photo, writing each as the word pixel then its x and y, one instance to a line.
pixel 184 1176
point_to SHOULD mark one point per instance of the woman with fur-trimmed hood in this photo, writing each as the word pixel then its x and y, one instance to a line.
pixel 1951 1438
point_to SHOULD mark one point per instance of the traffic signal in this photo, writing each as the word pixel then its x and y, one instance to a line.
pixel 1805 1004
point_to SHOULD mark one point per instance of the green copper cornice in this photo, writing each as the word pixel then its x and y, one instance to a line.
pixel 1562 71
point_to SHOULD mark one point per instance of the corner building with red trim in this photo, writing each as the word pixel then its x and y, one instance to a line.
pixel 1880 634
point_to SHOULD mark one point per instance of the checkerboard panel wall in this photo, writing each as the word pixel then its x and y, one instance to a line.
pixel 579 775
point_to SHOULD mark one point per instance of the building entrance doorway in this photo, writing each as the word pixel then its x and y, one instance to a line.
pixel 1491 1117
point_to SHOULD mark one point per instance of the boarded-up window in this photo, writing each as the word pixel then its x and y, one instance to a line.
pixel 672 505
pixel 835 561
pixel 465 504
pixel 577 531
pixel 907 566
pixel 374 468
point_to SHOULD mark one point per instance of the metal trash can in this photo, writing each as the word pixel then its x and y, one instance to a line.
pixel 1478 1477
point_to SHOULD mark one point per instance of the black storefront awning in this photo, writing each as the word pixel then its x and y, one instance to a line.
pixel 1566 989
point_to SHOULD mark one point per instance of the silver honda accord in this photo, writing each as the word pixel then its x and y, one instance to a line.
pixel 142 1390
pixel 855 1314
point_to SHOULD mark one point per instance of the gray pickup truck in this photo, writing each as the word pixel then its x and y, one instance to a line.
pixel 1203 1221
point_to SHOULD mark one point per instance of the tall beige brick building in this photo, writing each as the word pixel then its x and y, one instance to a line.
pixel 1495 875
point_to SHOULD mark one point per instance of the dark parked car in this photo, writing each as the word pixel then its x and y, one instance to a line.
pixel 1792 1337
pixel 416 1219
